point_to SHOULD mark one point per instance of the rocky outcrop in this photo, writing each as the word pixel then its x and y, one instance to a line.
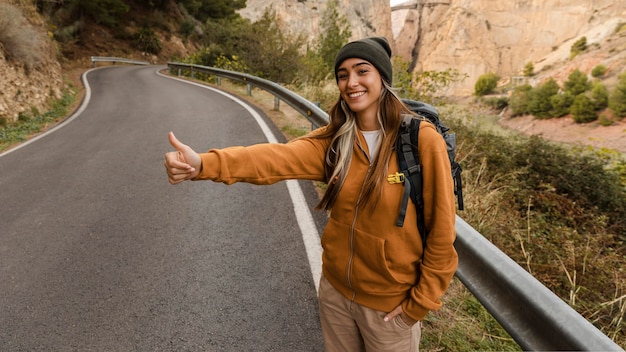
pixel 21 90
pixel 24 87
pixel 477 37
pixel 366 17
pixel 473 36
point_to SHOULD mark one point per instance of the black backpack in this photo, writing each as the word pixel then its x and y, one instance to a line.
pixel 408 161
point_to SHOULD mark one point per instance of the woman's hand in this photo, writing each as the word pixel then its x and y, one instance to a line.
pixel 183 164
pixel 398 311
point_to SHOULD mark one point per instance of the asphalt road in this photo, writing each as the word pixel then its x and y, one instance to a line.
pixel 98 252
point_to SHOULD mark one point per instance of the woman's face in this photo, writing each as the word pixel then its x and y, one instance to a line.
pixel 360 85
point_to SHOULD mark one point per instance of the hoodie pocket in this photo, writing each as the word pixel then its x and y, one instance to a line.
pixel 371 271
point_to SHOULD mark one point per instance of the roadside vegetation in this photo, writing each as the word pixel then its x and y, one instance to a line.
pixel 34 122
pixel 586 99
pixel 558 211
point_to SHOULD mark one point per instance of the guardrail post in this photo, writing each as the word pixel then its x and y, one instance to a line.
pixel 219 80
pixel 193 73
pixel 276 103
pixel 179 71
pixel 249 89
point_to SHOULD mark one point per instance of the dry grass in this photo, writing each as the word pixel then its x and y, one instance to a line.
pixel 19 41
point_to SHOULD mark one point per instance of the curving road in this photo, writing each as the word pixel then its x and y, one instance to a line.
pixel 99 253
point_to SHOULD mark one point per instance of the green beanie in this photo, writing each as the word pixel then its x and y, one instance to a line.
pixel 376 50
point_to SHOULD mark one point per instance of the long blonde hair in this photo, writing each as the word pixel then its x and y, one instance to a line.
pixel 343 132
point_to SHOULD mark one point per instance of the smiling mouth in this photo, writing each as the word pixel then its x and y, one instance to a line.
pixel 356 95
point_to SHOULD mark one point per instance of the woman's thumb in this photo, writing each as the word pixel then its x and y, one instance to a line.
pixel 175 142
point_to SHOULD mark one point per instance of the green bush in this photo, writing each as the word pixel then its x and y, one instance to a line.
pixel 577 83
pixel 599 95
pixel 540 104
pixel 617 100
pixel 147 41
pixel 598 71
pixel 529 70
pixel 497 103
pixel 561 104
pixel 578 47
pixel 486 84
pixel 106 12
pixel 582 109
pixel 519 100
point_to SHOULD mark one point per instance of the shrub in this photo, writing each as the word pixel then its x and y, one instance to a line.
pixel 599 95
pixel 106 12
pixel 598 71
pixel 617 100
pixel 519 100
pixel 582 109
pixel 577 83
pixel 529 70
pixel 540 104
pixel 605 120
pixel 578 47
pixel 146 40
pixel 486 84
pixel 19 40
pixel 497 103
pixel 561 104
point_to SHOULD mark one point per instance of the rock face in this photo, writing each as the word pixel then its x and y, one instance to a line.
pixel 366 17
pixel 23 87
pixel 477 37
pixel 473 36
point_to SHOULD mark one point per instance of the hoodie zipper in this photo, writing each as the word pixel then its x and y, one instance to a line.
pixel 356 212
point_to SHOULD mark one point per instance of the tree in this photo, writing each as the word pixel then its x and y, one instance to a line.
pixel 335 33
pixel 269 52
pixel 539 103
pixel 529 70
pixel 582 109
pixel 599 95
pixel 617 100
pixel 212 9
pixel 561 104
pixel 519 99
pixel 106 12
pixel 578 47
pixel 486 84
pixel 429 86
pixel 577 83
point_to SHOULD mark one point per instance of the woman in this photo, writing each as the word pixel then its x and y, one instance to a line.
pixel 377 281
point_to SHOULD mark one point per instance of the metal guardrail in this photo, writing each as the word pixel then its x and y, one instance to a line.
pixel 96 59
pixel 314 113
pixel 534 316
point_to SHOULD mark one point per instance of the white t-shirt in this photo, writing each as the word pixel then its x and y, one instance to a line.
pixel 371 137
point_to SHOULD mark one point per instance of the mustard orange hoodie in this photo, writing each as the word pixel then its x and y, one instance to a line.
pixel 366 256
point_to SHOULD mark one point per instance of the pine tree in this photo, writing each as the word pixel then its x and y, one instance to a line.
pixel 617 100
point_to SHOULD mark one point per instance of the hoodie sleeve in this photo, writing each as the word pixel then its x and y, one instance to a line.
pixel 440 258
pixel 267 163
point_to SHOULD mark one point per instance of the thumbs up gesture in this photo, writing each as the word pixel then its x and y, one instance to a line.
pixel 182 164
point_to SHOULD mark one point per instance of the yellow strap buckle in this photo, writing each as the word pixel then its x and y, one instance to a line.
pixel 398 177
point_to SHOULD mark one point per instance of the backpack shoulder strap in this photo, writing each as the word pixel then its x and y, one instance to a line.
pixel 408 161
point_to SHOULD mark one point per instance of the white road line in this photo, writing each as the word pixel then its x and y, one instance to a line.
pixel 310 236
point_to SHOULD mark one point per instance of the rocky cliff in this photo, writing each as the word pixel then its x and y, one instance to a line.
pixel 477 37
pixel 366 17
pixel 24 87
pixel 474 36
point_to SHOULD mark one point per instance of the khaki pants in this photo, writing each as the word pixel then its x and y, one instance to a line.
pixel 350 327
